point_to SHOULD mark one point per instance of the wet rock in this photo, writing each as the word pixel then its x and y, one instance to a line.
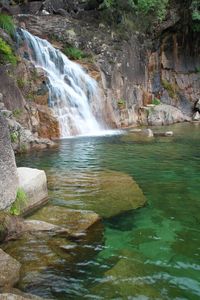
pixel 34 184
pixel 167 133
pixel 164 114
pixel 8 170
pixel 10 269
pixel 143 132
pixel 48 124
pixel 75 221
pixel 41 226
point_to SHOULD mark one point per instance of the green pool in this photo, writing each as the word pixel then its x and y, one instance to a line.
pixel 149 253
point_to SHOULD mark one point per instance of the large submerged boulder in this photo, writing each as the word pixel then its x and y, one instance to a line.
pixel 8 170
pixel 110 192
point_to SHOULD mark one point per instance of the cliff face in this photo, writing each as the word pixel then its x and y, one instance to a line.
pixel 8 169
pixel 133 69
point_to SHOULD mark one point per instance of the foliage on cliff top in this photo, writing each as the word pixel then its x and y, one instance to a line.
pixel 6 23
pixel 6 53
pixel 156 8
pixel 195 12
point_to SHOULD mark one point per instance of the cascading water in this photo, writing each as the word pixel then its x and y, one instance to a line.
pixel 71 90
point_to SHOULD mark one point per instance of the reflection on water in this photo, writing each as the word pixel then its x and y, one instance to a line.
pixel 149 253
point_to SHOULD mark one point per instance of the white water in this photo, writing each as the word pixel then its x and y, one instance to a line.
pixel 71 90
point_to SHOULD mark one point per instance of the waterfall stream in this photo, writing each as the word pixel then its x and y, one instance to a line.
pixel 72 92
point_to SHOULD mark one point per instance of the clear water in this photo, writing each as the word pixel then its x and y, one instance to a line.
pixel 149 253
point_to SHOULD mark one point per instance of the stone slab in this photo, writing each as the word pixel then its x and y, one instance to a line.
pixel 34 184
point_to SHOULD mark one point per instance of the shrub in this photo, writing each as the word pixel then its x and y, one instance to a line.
pixel 20 202
pixel 6 53
pixel 6 23
pixel 155 8
pixel 74 53
pixel 21 83
pixel 195 13
pixel 17 112
pixel 14 136
pixel 156 101
pixel 171 88
pixel 121 103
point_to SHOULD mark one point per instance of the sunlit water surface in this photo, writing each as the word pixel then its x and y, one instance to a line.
pixel 149 253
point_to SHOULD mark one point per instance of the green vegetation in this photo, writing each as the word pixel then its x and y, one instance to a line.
pixel 74 53
pixel 197 69
pixel 155 8
pixel 20 202
pixel 121 103
pixel 23 148
pixel 171 88
pixel 195 12
pixel 21 83
pixel 17 112
pixel 6 53
pixel 6 23
pixel 156 101
pixel 14 136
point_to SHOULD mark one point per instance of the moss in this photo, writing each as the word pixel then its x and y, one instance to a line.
pixel 6 23
pixel 171 88
pixel 17 112
pixel 20 202
pixel 6 53
pixel 75 53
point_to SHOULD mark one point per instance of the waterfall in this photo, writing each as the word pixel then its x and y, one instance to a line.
pixel 72 91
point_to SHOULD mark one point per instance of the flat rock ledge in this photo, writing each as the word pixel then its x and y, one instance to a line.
pixel 34 184
pixel 10 270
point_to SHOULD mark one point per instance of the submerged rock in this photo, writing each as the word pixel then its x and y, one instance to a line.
pixel 10 268
pixel 127 279
pixel 34 184
pixel 108 193
pixel 75 222
pixel 143 132
pixel 166 133
pixel 117 193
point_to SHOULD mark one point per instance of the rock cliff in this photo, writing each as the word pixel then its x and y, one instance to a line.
pixel 136 70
